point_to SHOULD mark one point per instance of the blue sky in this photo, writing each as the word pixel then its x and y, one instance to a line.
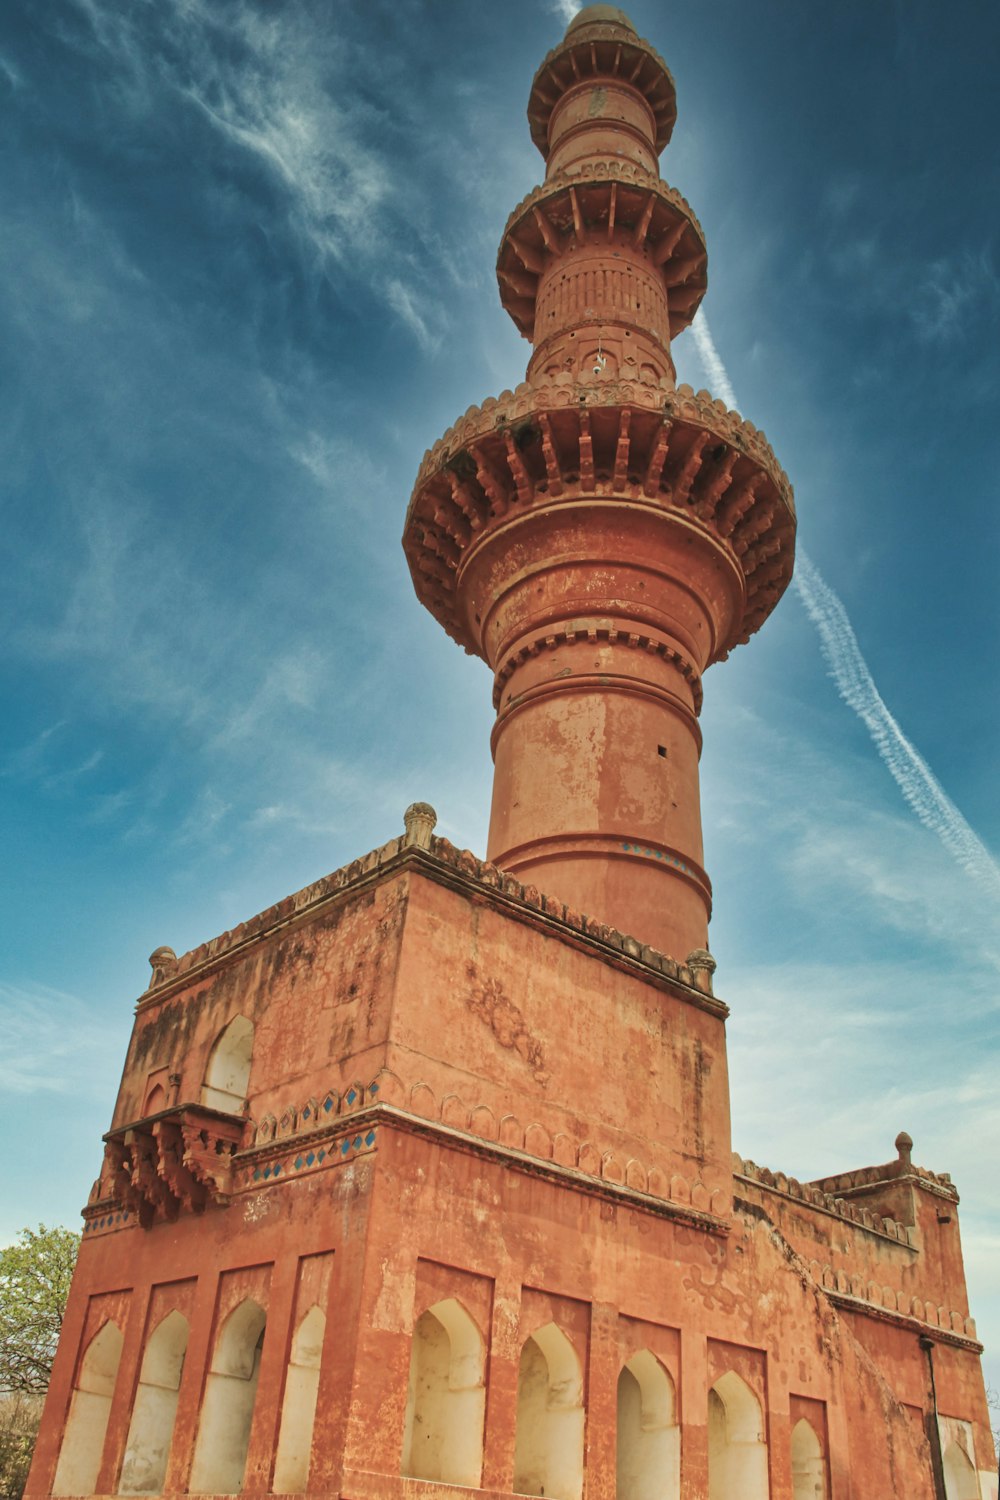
pixel 248 280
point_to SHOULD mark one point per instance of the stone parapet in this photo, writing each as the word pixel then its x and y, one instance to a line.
pixel 442 854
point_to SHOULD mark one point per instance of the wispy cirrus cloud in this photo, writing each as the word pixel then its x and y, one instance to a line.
pixel 921 790
pixel 51 1042
pixel 281 105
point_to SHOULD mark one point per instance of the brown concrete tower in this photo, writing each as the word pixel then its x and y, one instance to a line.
pixel 419 1183
pixel 598 536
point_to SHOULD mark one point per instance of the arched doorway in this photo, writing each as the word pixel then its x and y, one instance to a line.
pixel 152 1427
pixel 298 1410
pixel 737 1449
pixel 228 1072
pixel 808 1463
pixel 648 1439
pixel 220 1454
pixel 443 1435
pixel 548 1454
pixel 90 1407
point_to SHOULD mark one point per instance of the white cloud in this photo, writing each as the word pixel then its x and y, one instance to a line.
pixel 918 784
pixel 921 790
pixel 52 1043
pixel 709 355
pixel 403 302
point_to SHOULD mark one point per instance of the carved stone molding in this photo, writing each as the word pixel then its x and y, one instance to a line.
pixel 607 49
pixel 173 1162
pixel 606 198
pixel 581 436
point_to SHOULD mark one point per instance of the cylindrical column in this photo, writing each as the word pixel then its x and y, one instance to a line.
pixel 595 789
pixel 602 305
pixel 602 117
pixel 598 616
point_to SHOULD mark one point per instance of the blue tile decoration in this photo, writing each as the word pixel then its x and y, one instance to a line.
pixel 352 1095
pixel 357 1142
pixel 327 1105
pixel 345 1148
pixel 373 1088
pixel 298 1163
pixel 310 1158
pixel 369 1138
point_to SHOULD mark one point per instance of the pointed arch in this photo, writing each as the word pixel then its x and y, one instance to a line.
pixel 446 1398
pixel 548 1453
pixel 648 1442
pixel 808 1463
pixel 961 1481
pixel 227 1074
pixel 298 1409
pixel 737 1448
pixel 220 1453
pixel 151 1429
pixel 90 1406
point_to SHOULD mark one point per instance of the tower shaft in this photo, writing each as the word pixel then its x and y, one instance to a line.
pixel 598 536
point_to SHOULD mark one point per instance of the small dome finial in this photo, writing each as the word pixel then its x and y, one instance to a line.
pixel 904 1146
pixel 419 820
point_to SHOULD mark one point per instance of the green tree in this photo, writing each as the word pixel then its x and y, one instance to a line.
pixel 35 1274
pixel 19 1419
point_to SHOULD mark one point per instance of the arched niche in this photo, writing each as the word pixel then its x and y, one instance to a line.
pixel 808 1463
pixel 156 1100
pixel 220 1454
pixel 90 1407
pixel 737 1449
pixel 446 1398
pixel 298 1409
pixel 548 1453
pixel 648 1438
pixel 961 1482
pixel 152 1426
pixel 228 1072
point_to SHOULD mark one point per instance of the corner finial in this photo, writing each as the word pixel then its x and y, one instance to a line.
pixel 163 962
pixel 702 966
pixel 904 1146
pixel 419 820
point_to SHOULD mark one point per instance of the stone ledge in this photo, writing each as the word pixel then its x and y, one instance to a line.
pixel 380 1117
pixel 812 1196
pixel 913 1325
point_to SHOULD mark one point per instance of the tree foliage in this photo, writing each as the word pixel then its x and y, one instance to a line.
pixel 19 1419
pixel 35 1274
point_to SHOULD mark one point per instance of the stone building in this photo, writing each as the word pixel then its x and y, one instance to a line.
pixel 421 1181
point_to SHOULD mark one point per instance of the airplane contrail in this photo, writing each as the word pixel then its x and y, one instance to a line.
pixel 921 789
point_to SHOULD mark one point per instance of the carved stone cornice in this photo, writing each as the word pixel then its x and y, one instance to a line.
pixel 602 49
pixel 612 198
pixel 575 437
pixel 911 1325
pixel 176 1160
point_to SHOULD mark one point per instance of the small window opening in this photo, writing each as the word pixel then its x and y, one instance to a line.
pixel 662 750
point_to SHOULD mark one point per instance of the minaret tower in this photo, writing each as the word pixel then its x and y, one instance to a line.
pixel 419 1184
pixel 600 536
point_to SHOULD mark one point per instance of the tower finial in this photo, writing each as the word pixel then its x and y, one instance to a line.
pixel 600 15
